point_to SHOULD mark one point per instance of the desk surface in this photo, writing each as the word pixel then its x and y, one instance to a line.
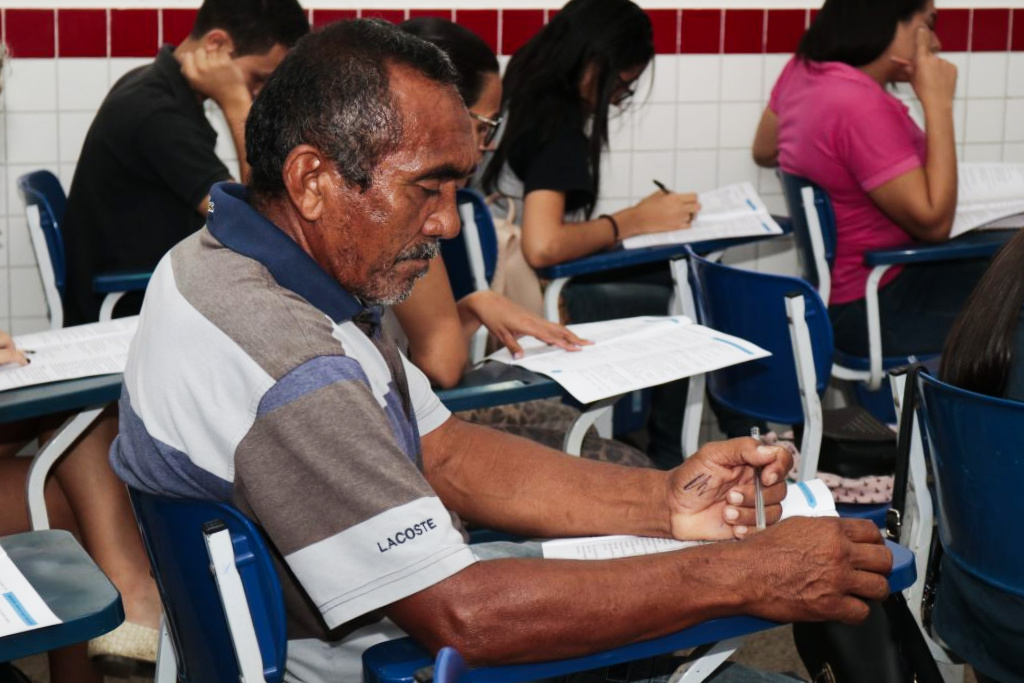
pixel 497 384
pixel 71 584
pixel 58 397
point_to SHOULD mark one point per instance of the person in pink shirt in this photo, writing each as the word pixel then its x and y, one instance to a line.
pixel 832 120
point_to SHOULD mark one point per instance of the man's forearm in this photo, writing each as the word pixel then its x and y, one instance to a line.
pixel 494 479
pixel 235 113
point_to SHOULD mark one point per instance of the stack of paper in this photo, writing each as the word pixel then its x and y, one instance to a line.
pixel 989 196
pixel 803 499
pixel 71 353
pixel 631 354
pixel 730 211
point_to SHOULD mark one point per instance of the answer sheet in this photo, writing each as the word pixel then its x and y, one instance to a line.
pixel 21 608
pixel 803 499
pixel 71 353
pixel 730 211
pixel 631 354
pixel 987 194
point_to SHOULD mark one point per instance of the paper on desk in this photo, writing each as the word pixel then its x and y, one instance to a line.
pixel 21 608
pixel 631 354
pixel 71 353
pixel 804 499
pixel 730 211
pixel 989 196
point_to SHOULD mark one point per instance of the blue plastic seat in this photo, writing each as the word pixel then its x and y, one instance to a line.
pixel 783 315
pixel 45 203
pixel 177 533
pixel 814 230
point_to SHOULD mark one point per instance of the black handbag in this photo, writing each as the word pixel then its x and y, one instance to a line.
pixel 888 647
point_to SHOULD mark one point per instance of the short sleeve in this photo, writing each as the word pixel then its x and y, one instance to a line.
pixel 430 412
pixel 341 499
pixel 875 142
pixel 561 165
pixel 182 152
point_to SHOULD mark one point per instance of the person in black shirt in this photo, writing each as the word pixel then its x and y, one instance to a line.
pixel 148 160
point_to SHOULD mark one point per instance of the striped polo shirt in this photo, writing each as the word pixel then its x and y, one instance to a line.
pixel 257 380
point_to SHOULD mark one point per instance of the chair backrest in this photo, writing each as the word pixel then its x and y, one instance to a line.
pixel 471 257
pixel 175 535
pixel 752 306
pixel 811 223
pixel 978 461
pixel 450 667
pixel 45 202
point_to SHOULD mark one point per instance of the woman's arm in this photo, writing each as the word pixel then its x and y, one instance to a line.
pixel 766 140
pixel 923 201
pixel 548 239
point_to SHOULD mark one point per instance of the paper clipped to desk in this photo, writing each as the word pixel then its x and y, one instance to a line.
pixel 989 196
pixel 632 353
pixel 803 499
pixel 730 211
pixel 71 353
pixel 21 607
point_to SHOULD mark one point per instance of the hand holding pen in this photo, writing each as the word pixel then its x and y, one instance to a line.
pixel 9 353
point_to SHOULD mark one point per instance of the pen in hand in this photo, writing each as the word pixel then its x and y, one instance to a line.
pixel 661 186
pixel 755 433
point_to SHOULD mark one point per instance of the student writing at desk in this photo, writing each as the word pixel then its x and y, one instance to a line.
pixel 831 120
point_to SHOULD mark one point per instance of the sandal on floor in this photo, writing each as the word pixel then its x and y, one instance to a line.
pixel 129 650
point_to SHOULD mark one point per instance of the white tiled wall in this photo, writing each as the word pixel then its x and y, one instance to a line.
pixel 692 131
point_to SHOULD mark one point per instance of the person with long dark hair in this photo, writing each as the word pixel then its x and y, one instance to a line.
pixel 832 120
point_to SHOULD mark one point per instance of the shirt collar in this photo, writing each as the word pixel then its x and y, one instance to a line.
pixel 243 229
pixel 166 64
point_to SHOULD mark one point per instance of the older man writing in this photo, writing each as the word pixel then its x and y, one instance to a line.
pixel 259 377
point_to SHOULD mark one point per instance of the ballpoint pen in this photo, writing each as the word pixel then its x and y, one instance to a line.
pixel 755 433
pixel 661 186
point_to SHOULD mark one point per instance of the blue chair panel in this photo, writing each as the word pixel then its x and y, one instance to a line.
pixel 978 462
pixel 792 186
pixel 455 254
pixel 172 530
pixel 752 306
pixel 43 189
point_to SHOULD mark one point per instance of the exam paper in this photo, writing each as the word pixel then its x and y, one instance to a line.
pixel 71 353
pixel 730 211
pixel 631 354
pixel 989 196
pixel 21 608
pixel 803 499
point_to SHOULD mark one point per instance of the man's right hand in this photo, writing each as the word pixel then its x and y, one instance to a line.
pixel 215 75
pixel 820 569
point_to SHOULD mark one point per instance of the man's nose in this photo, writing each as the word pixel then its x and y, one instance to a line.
pixel 445 223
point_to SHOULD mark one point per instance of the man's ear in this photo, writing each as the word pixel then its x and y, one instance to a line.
pixel 217 39
pixel 307 177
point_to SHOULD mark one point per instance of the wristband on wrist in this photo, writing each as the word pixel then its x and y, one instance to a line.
pixel 615 226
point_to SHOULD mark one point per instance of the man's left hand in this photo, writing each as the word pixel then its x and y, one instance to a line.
pixel 711 495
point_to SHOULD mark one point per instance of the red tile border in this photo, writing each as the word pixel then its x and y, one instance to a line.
pixel 518 26
pixel 81 33
pixel 701 31
pixel 177 25
pixel 133 32
pixel 30 32
pixel 785 29
pixel 322 17
pixel 665 23
pixel 395 16
pixel 1017 39
pixel 990 30
pixel 483 22
pixel 440 13
pixel 744 31
pixel 953 28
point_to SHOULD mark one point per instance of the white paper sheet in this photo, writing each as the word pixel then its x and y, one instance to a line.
pixel 21 608
pixel 804 499
pixel 987 194
pixel 71 353
pixel 730 211
pixel 632 353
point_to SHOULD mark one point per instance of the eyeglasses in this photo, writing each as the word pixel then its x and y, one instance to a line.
pixel 492 126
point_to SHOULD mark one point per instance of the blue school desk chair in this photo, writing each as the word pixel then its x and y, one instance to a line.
pixel 785 316
pixel 976 457
pixel 45 203
pixel 814 229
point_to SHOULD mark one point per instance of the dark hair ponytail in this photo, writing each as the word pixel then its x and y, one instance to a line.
pixel 542 83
